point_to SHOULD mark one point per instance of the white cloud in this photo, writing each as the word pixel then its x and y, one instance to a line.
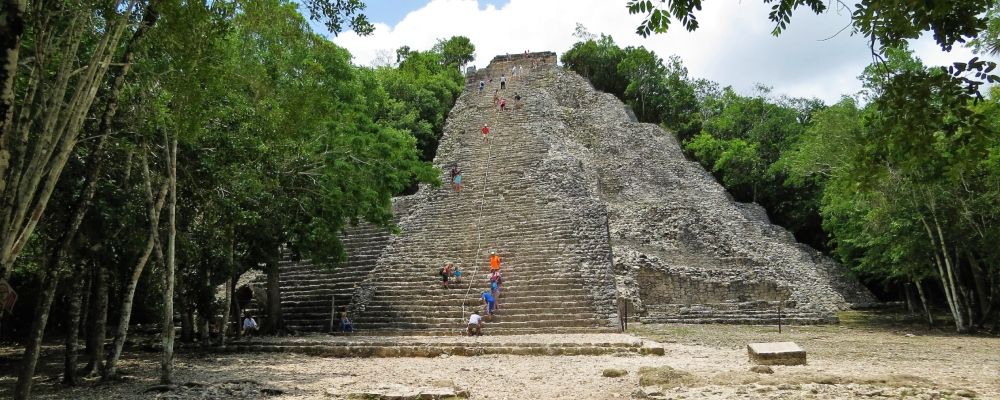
pixel 733 45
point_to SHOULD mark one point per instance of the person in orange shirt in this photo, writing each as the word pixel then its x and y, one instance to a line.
pixel 494 261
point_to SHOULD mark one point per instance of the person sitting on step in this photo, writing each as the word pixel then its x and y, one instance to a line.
pixel 475 327
pixel 249 324
pixel 458 275
pixel 345 323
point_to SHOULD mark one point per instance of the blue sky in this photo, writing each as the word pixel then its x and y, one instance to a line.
pixel 390 12
pixel 733 46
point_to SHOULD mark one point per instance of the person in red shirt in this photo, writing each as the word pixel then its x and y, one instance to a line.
pixel 486 131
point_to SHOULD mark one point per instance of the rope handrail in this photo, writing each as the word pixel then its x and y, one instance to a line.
pixel 479 218
pixel 482 203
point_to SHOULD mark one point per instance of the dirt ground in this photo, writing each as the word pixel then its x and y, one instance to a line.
pixel 848 361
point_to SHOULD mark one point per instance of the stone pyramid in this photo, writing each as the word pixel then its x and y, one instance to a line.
pixel 588 209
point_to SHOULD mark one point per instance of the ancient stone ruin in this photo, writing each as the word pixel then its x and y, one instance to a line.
pixel 589 211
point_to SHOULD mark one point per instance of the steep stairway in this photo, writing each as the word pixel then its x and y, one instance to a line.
pixel 310 290
pixel 553 260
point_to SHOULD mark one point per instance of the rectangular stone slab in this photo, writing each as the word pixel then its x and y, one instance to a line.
pixel 777 353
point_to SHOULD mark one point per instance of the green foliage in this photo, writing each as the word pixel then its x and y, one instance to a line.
pixel 417 96
pixel 988 41
pixel 910 193
pixel 889 23
pixel 597 60
pixel 456 51
pixel 334 13
pixel 656 92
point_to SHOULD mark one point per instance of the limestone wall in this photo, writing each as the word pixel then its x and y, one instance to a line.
pixel 676 234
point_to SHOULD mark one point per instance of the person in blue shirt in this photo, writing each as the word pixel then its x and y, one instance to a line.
pixel 489 302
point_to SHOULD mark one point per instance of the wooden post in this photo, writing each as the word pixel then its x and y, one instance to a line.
pixel 333 311
pixel 779 315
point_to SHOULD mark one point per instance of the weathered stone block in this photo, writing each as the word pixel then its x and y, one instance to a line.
pixel 777 353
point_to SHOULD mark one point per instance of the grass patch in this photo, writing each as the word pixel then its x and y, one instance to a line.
pixel 614 372
pixel 667 377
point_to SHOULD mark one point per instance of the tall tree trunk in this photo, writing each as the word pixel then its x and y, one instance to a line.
pixel 941 260
pixel 85 299
pixel 911 304
pixel 167 362
pixel 205 311
pixel 55 266
pixel 961 322
pixel 231 272
pixel 82 206
pixel 923 302
pixel 128 294
pixel 98 321
pixel 31 350
pixel 227 313
pixel 73 330
pixel 11 29
pixel 187 318
pixel 979 279
pixel 274 319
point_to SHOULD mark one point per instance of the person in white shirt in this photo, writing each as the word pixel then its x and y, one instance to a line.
pixel 249 324
pixel 475 324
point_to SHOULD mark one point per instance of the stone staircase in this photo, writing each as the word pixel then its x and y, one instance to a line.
pixel 308 290
pixel 556 257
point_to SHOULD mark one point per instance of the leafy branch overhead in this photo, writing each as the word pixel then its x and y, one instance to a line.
pixel 890 23
pixel 335 13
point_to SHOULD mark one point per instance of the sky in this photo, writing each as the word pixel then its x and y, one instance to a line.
pixel 733 46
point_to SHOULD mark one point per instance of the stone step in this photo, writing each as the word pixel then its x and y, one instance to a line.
pixel 321 305
pixel 435 350
pixel 738 320
pixel 498 322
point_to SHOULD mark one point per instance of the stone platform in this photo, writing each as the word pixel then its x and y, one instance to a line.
pixel 434 346
pixel 777 353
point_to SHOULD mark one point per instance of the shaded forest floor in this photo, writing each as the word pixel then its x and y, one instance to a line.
pixel 869 356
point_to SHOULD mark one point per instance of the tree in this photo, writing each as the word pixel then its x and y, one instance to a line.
pixel 643 71
pixel 887 24
pixel 597 60
pixel 456 51
pixel 905 194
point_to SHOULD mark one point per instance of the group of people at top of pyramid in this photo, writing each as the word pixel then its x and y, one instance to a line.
pixel 516 72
